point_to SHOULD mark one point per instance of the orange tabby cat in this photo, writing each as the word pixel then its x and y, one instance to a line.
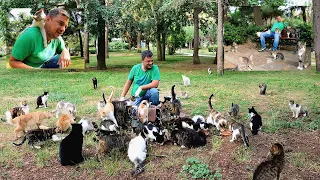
pixel 24 121
pixel 64 122
pixel 143 111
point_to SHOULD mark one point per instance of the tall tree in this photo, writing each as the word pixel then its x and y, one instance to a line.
pixel 220 60
pixel 257 16
pixel 316 27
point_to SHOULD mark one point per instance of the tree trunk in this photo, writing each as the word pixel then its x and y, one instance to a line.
pixel 80 41
pixel 139 41
pixel 304 17
pixel 86 47
pixel 101 56
pixel 107 40
pixel 196 59
pixel 257 16
pixel 220 60
pixel 159 54
pixel 163 46
pixel 316 30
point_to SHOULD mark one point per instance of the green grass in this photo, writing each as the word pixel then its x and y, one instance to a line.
pixel 241 154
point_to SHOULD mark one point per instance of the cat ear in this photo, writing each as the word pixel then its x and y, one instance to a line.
pixel 251 58
pixel 241 60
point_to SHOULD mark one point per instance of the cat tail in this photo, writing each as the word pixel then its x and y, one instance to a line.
pixel 110 97
pixel 24 139
pixel 209 102
pixel 139 168
pixel 104 99
pixel 173 94
pixel 9 117
pixel 244 136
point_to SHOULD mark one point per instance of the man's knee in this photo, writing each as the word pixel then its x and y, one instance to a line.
pixel 154 98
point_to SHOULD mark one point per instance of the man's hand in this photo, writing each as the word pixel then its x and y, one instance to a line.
pixel 122 98
pixel 64 60
pixel 138 92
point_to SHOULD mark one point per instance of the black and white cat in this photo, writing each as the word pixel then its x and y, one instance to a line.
pixel 255 121
pixel 37 135
pixel 185 122
pixel 42 100
pixel 189 138
pixel 238 130
pixel 70 151
pixel 297 109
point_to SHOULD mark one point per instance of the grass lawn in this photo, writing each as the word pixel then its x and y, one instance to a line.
pixel 230 160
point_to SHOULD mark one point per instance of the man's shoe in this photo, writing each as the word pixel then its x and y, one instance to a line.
pixel 262 49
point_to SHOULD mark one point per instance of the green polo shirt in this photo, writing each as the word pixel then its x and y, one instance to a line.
pixel 279 25
pixel 29 48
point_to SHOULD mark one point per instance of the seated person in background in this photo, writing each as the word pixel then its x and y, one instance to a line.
pixel 145 78
pixel 274 32
pixel 29 51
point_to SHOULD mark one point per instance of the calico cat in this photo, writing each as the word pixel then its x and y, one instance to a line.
pixel 277 55
pixel 234 110
pixel 234 47
pixel 95 83
pixel 255 121
pixel 189 138
pixel 70 151
pixel 143 111
pixel 245 63
pixel 186 80
pixel 297 109
pixel 65 108
pixel 108 109
pixel 42 100
pixel 27 120
pixel 263 88
pixel 238 129
pixel 209 71
pixel 176 105
pixel 272 167
pixel 36 135
pixel 64 122
pixel 215 118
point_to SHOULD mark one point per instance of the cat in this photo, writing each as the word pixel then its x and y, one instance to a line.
pixel 277 55
pixel 36 135
pixel 137 152
pixel 24 121
pixel 95 83
pixel 303 63
pixel 234 47
pixel 70 150
pixel 13 113
pixel 263 88
pixel 176 105
pixel 234 110
pixel 108 109
pixel 25 107
pixel 65 108
pixel 216 118
pixel 272 167
pixel 297 109
pixel 198 119
pixel 108 125
pixel 184 95
pixel 188 138
pixel 184 122
pixel 39 20
pixel 255 121
pixel 86 125
pixel 238 129
pixel 209 71
pixel 186 80
pixel 143 111
pixel 64 122
pixel 101 104
pixel 42 100
pixel 245 63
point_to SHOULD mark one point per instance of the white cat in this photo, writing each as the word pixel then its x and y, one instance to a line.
pixel 297 109
pixel 86 125
pixel 39 20
pixel 186 80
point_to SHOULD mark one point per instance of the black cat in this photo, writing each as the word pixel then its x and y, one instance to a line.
pixel 70 151
pixel 42 100
pixel 95 83
pixel 255 121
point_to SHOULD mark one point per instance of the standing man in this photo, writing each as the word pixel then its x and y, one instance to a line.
pixel 274 32
pixel 145 78
pixel 29 51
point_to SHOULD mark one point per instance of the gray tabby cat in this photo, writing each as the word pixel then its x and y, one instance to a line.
pixel 245 63
pixel 277 55
pixel 303 63
pixel 234 110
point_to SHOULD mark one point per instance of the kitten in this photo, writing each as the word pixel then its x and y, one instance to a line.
pixel 272 167
pixel 209 71
pixel 263 88
pixel 65 108
pixel 36 135
pixel 238 129
pixel 277 55
pixel 108 125
pixel 25 107
pixel 234 47
pixel 64 122
pixel 70 151
pixel 108 109
pixel 186 80
pixel 24 121
pixel 188 138
pixel 297 109
pixel 216 118
pixel 143 111
pixel 234 110
pixel 86 125
pixel 42 100
pixel 95 83
pixel 303 64
pixel 245 63
pixel 255 121
pixel 176 105
pixel 184 95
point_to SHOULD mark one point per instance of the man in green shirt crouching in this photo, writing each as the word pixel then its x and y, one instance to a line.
pixel 29 51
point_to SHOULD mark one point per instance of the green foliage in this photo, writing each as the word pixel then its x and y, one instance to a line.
pixel 213 48
pixel 196 170
pixel 234 33
pixel 118 45
pixel 306 33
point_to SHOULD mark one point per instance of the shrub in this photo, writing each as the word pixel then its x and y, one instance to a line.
pixel 233 33
pixel 118 45
pixel 196 170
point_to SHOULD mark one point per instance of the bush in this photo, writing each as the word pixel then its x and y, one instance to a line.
pixel 233 33
pixel 213 48
pixel 196 170
pixel 118 45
